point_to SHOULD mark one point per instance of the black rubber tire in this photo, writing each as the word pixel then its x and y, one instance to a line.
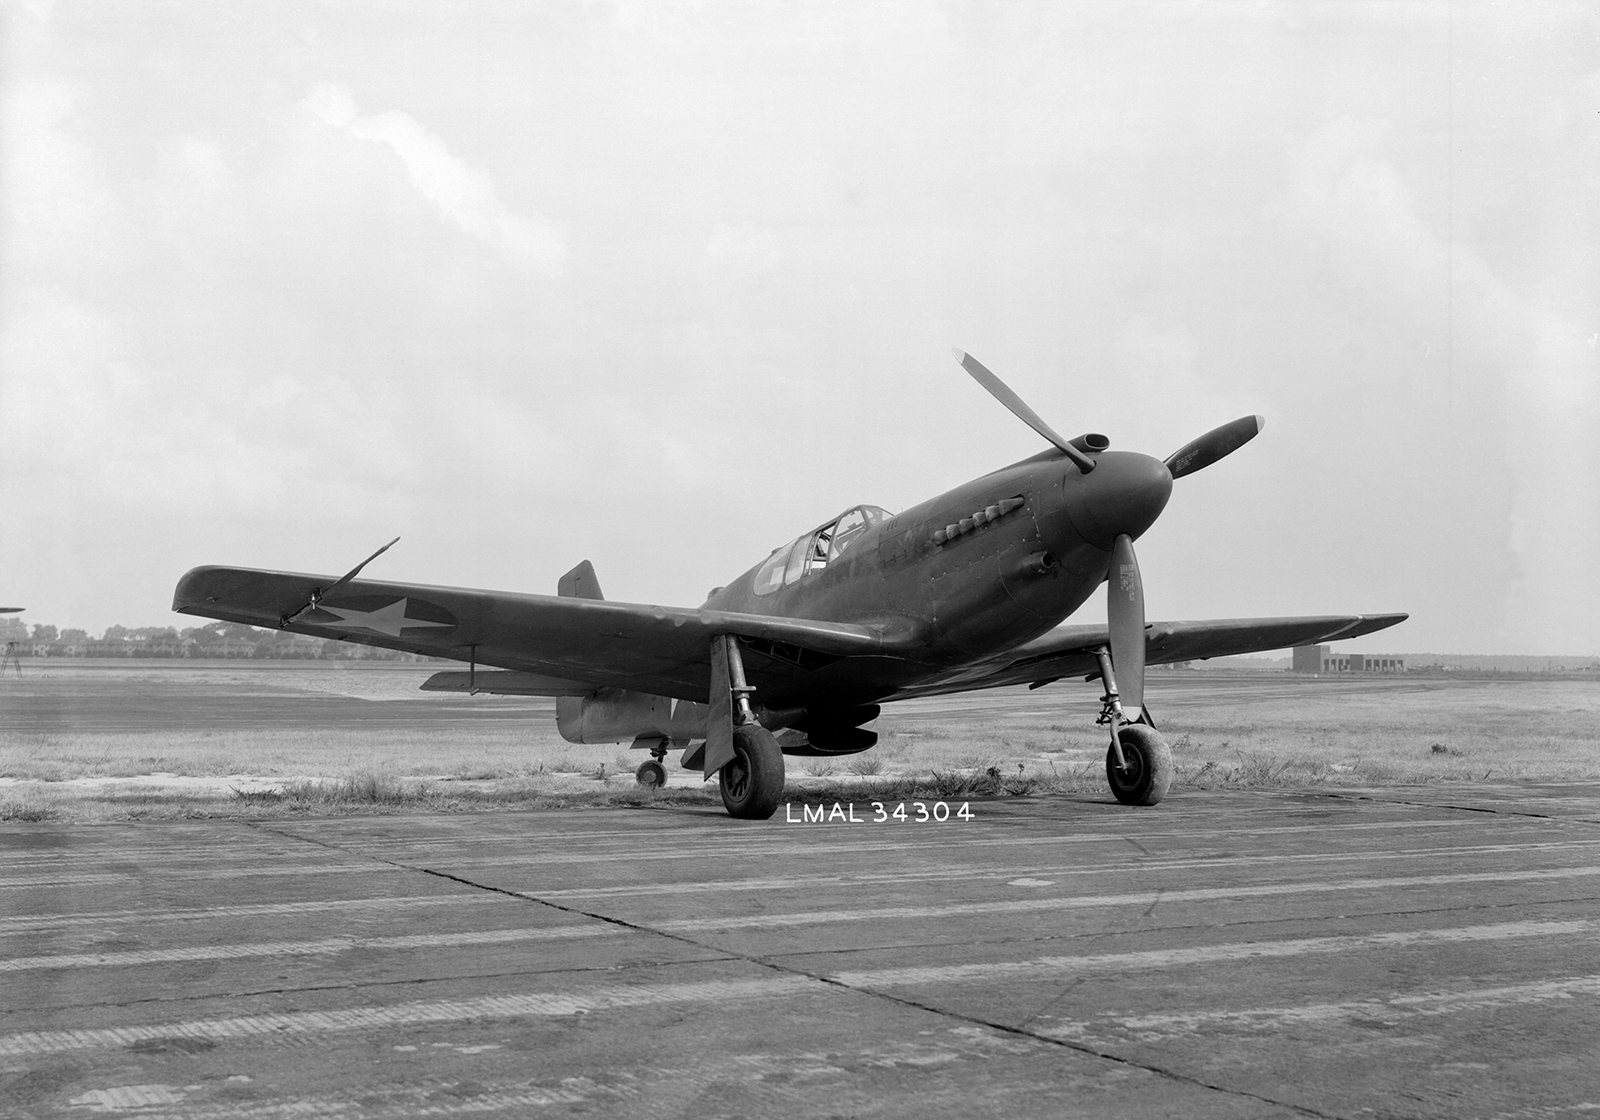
pixel 752 783
pixel 651 774
pixel 1149 772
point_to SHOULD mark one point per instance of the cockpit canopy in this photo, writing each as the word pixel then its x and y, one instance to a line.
pixel 817 549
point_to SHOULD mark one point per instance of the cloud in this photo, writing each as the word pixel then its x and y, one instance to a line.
pixel 740 252
pixel 247 320
pixel 1518 392
pixel 464 195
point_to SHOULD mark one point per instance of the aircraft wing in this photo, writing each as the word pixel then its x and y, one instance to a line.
pixel 561 645
pixel 1069 650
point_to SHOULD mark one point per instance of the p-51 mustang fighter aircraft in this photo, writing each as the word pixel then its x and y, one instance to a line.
pixel 964 591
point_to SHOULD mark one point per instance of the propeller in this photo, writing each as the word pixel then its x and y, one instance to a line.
pixel 1019 408
pixel 1200 453
pixel 1120 502
pixel 1195 455
pixel 320 593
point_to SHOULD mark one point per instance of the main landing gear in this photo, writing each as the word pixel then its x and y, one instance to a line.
pixel 1138 762
pixel 752 783
pixel 1145 772
pixel 745 755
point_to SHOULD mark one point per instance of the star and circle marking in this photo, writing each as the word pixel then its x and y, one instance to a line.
pixel 388 621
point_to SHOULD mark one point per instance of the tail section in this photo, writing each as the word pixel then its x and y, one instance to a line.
pixel 580 583
pixel 605 715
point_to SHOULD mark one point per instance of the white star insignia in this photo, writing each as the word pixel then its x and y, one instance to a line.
pixel 388 620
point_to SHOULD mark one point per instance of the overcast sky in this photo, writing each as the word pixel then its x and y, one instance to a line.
pixel 664 285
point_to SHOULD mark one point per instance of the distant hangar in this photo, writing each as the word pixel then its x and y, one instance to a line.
pixel 1317 659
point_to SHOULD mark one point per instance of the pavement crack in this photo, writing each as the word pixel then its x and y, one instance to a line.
pixel 1066 990
pixel 1021 1031
pixel 1489 809
pixel 771 965
pixel 523 896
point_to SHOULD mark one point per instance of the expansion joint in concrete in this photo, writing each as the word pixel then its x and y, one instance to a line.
pixel 1491 810
pixel 1089 1051
pixel 774 966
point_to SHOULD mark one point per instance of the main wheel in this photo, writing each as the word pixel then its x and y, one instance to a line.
pixel 651 774
pixel 1149 771
pixel 752 781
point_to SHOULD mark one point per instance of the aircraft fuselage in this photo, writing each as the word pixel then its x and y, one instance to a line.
pixel 1031 542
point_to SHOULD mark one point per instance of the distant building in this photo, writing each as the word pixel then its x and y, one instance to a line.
pixel 1307 659
pixel 1317 659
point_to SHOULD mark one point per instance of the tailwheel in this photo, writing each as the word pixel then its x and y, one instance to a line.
pixel 651 774
pixel 752 782
pixel 1148 773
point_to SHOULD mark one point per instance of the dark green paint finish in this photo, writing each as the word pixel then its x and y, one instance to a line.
pixel 966 590
pixel 897 615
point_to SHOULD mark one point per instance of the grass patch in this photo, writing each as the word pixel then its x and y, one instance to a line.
pixel 368 794
pixel 367 788
pixel 132 759
pixel 27 809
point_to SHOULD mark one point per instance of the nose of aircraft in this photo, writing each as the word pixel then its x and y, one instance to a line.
pixel 1125 493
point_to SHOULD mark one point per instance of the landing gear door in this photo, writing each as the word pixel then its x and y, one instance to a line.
pixel 719 719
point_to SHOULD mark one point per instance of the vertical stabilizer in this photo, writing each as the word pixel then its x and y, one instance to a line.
pixel 580 583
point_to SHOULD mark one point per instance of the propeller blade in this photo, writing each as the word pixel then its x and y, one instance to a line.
pixel 1125 619
pixel 1019 408
pixel 355 571
pixel 321 593
pixel 1215 444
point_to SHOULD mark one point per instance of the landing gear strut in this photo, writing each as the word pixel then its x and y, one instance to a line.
pixel 1139 762
pixel 745 754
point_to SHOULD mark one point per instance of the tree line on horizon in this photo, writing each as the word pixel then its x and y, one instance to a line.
pixel 236 640
pixel 214 640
